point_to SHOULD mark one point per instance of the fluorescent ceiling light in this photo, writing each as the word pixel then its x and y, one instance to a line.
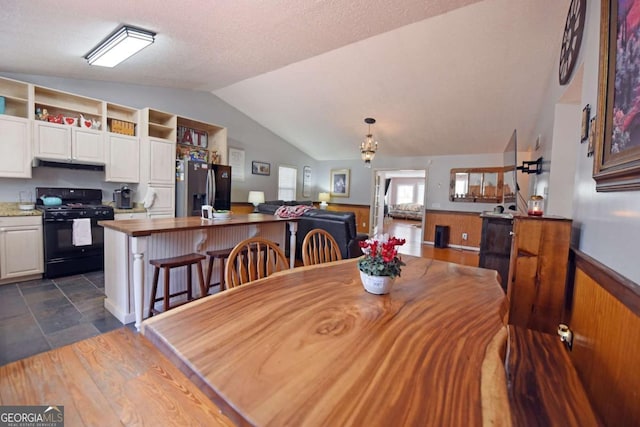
pixel 119 46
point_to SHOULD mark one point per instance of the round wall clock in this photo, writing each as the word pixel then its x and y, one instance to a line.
pixel 571 39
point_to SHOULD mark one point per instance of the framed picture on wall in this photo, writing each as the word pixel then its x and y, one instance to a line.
pixel 339 182
pixel 236 161
pixel 616 165
pixel 306 181
pixel 260 168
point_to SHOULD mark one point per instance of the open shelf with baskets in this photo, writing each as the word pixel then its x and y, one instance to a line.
pixel 122 120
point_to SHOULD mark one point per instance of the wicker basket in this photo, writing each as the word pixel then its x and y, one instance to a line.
pixel 122 127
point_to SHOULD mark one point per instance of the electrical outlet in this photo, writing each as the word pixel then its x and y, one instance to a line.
pixel 465 236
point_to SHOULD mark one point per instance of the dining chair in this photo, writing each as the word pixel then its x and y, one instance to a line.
pixel 253 258
pixel 319 247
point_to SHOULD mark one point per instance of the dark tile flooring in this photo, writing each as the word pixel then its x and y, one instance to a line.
pixel 40 315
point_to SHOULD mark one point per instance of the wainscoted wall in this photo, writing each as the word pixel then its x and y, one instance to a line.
pixel 603 310
pixel 361 211
pixel 458 223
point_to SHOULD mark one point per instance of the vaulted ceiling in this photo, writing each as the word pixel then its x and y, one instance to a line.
pixel 439 76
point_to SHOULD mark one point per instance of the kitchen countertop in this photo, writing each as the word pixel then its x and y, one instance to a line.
pixel 137 208
pixel 11 209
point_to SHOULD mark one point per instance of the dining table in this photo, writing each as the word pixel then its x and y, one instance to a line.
pixel 309 346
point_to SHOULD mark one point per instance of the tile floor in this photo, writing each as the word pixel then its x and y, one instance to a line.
pixel 40 315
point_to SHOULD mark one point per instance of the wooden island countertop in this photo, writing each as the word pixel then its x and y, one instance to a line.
pixel 146 227
pixel 130 243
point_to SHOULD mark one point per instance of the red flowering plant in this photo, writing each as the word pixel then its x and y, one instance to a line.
pixel 381 256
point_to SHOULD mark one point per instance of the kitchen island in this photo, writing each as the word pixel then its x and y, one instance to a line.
pixel 129 244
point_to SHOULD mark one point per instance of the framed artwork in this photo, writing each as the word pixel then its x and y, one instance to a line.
pixel 260 168
pixel 617 141
pixel 584 129
pixel 236 161
pixel 339 182
pixel 306 181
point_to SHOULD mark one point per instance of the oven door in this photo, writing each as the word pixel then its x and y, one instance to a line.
pixel 62 257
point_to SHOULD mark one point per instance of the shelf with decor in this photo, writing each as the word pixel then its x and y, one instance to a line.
pixel 201 141
pixel 16 97
pixel 122 120
pixel 51 104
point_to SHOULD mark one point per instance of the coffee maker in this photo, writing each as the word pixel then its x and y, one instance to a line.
pixel 122 198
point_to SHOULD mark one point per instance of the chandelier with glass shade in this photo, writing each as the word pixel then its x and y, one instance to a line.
pixel 369 146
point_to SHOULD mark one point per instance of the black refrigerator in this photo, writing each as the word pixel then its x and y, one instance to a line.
pixel 200 183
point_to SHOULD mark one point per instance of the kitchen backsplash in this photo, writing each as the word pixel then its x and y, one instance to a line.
pixel 10 188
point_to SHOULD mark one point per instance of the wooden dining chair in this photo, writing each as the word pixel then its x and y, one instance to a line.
pixel 318 247
pixel 252 259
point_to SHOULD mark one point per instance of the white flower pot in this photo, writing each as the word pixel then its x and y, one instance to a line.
pixel 378 285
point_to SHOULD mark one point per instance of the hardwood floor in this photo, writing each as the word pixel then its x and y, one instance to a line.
pixel 412 232
pixel 117 378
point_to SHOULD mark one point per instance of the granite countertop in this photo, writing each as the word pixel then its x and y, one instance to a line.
pixel 137 208
pixel 11 209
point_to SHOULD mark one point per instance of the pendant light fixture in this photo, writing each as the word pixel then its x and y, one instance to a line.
pixel 369 146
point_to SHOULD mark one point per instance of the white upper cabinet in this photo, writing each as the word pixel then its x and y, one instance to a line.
pixel 122 150
pixel 80 136
pixel 15 129
pixel 15 146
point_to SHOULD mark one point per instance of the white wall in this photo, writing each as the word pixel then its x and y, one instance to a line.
pixel 438 177
pixel 565 147
pixel 606 225
pixel 243 132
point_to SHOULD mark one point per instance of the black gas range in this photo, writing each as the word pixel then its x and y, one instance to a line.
pixel 73 240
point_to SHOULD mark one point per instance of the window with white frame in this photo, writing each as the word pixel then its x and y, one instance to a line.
pixel 404 193
pixel 287 178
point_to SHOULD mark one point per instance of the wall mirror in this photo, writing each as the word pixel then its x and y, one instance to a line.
pixel 479 185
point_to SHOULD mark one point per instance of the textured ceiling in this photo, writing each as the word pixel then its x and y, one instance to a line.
pixel 440 76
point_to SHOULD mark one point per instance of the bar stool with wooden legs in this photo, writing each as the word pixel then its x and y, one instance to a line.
pixel 166 264
pixel 222 255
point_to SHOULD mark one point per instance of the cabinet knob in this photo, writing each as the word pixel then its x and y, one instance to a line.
pixel 511 233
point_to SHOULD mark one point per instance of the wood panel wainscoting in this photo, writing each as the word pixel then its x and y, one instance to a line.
pixel 241 208
pixel 361 211
pixel 458 222
pixel 602 309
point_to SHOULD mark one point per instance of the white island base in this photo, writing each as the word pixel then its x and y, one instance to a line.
pixel 127 255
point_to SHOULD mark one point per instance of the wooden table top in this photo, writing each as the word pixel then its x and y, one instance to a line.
pixel 311 347
pixel 146 227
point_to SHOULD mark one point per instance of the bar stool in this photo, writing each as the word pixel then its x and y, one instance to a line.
pixel 167 264
pixel 218 254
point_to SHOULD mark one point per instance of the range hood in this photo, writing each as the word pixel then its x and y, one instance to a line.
pixel 63 165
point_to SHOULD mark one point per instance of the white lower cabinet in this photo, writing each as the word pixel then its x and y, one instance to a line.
pixel 21 248
pixel 163 205
pixel 15 146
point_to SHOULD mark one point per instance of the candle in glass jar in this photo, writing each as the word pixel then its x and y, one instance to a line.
pixel 535 206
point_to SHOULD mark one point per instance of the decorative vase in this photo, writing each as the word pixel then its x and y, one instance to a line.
pixel 378 285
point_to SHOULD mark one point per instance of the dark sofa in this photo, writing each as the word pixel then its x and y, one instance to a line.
pixel 341 225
